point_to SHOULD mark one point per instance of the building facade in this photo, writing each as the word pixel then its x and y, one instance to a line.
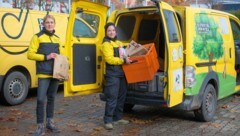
pixel 60 6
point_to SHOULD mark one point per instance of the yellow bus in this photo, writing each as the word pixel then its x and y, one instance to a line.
pixel 17 73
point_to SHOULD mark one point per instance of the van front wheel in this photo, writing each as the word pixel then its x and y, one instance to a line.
pixel 209 104
pixel 15 88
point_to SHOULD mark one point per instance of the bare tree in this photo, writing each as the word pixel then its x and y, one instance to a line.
pixel 177 2
pixel 39 4
pixel 210 3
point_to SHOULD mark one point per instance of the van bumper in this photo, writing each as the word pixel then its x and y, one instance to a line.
pixel 1 82
pixel 190 103
pixel 146 98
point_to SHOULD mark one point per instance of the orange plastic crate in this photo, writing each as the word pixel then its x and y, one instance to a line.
pixel 145 66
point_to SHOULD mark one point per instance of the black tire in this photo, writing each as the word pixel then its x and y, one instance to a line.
pixel 128 107
pixel 209 105
pixel 15 88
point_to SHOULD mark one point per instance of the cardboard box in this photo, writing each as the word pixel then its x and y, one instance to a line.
pixel 134 49
pixel 144 67
pixel 60 69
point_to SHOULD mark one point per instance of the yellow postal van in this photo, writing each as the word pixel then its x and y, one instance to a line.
pixel 199 49
pixel 17 73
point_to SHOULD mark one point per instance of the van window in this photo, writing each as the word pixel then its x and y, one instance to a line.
pixel 235 29
pixel 125 27
pixel 85 25
pixel 147 30
pixel 173 32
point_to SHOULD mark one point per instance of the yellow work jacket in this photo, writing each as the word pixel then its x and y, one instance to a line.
pixel 41 45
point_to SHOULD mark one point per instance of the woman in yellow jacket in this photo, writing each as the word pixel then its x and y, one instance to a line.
pixel 115 82
pixel 44 47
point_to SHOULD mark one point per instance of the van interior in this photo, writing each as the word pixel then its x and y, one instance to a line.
pixel 145 27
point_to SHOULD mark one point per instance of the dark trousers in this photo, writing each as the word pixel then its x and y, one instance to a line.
pixel 46 87
pixel 115 92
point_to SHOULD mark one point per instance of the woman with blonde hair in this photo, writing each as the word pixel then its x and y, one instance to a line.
pixel 43 48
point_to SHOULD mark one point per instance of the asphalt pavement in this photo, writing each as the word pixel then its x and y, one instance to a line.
pixel 83 116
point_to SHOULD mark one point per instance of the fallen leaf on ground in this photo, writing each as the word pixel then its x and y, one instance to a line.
pixel 78 130
pixel 71 124
pixel 216 125
pixel 138 121
pixel 60 112
pixel 131 132
pixel 98 128
pixel 225 106
pixel 12 119
pixel 233 111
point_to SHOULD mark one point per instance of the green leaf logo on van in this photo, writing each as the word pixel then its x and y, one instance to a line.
pixel 208 43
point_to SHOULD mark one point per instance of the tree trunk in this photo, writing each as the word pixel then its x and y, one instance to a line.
pixel 39 4
pixel 210 60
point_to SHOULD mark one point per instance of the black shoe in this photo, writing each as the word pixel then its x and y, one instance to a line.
pixel 39 131
pixel 51 126
pixel 102 96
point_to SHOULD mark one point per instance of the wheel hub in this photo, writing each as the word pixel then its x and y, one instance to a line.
pixel 15 88
pixel 209 103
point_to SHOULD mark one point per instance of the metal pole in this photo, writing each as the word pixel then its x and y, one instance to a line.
pixel 109 5
pixel 69 6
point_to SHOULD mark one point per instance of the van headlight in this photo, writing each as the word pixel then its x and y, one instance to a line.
pixel 190 79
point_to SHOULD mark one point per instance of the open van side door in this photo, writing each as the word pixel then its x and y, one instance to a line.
pixel 83 42
pixel 174 47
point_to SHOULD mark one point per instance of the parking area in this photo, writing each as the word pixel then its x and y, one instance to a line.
pixel 82 115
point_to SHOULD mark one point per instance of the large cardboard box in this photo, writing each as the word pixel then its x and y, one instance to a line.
pixel 60 69
pixel 144 67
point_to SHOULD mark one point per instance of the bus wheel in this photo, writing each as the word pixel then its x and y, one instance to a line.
pixel 15 88
pixel 128 107
pixel 209 104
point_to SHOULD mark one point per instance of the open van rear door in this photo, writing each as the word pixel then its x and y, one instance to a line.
pixel 174 54
pixel 83 42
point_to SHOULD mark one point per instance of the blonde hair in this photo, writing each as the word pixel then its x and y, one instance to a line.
pixel 48 16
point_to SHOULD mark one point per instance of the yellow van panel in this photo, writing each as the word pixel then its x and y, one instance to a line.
pixel 209 42
pixel 86 75
pixel 17 28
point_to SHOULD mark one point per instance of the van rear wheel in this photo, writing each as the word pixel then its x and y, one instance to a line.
pixel 209 104
pixel 15 88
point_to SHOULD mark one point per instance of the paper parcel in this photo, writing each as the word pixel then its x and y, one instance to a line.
pixel 60 69
pixel 135 49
